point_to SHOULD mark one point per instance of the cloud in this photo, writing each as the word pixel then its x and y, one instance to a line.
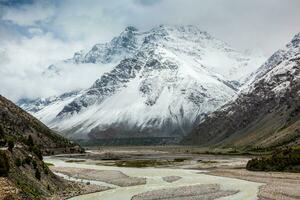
pixel 37 33
pixel 86 23
pixel 23 61
pixel 147 2
pixel 29 14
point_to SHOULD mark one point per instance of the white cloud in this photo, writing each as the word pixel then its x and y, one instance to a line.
pixel 39 34
pixel 90 22
pixel 22 63
pixel 35 31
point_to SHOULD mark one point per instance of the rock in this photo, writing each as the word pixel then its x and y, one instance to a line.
pixel 171 179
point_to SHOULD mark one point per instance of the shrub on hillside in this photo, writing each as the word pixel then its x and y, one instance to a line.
pixel 280 160
pixel 1 132
pixel 34 164
pixel 18 162
pixel 37 151
pixel 27 160
pixel 37 174
pixel 11 145
pixel 4 164
pixel 29 141
pixel 2 142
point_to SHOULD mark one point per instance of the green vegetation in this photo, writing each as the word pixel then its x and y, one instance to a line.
pixel 281 160
pixel 1 131
pixel 2 138
pixel 75 161
pixel 29 141
pixel 179 159
pixel 140 163
pixel 48 164
pixel 139 141
pixel 2 142
pixel 46 170
pixel 4 164
pixel 34 164
pixel 37 174
pixel 11 145
pixel 27 160
pixel 37 152
pixel 18 162
pixel 208 161
pixel 26 186
pixel 34 148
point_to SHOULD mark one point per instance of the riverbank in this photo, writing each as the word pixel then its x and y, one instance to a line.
pixel 172 172
pixel 8 191
pixel 278 185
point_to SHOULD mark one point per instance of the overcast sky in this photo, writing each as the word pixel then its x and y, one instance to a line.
pixel 36 33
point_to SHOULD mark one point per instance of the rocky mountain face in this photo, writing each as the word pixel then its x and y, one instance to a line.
pixel 266 114
pixel 36 105
pixel 165 80
pixel 125 45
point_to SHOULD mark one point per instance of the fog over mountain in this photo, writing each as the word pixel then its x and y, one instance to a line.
pixel 35 34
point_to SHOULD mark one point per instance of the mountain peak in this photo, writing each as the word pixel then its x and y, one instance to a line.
pixel 175 32
pixel 131 29
pixel 295 41
pixel 180 28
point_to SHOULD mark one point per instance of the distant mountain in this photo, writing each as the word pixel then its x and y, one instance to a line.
pixel 266 113
pixel 165 80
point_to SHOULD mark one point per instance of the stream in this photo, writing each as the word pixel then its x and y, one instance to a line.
pixel 247 190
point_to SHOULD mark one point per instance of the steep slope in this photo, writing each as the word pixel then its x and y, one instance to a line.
pixel 168 78
pixel 23 142
pixel 18 124
pixel 123 46
pixel 267 114
pixel 46 109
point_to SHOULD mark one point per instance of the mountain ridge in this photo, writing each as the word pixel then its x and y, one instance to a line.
pixel 263 116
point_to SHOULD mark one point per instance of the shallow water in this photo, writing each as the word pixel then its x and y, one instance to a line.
pixel 247 190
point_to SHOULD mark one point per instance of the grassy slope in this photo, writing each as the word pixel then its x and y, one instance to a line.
pixel 274 129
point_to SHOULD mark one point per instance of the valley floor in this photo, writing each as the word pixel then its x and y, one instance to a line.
pixel 150 173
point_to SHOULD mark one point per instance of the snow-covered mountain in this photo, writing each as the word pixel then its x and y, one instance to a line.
pixel 290 50
pixel 163 81
pixel 266 114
